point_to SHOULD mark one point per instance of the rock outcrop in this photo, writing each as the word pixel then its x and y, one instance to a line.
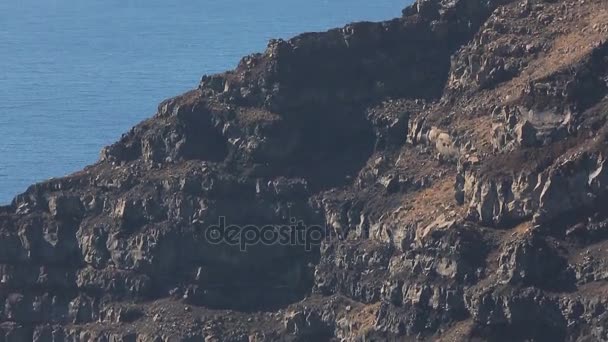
pixel 438 176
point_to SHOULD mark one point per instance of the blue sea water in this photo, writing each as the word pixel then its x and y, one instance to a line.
pixel 76 74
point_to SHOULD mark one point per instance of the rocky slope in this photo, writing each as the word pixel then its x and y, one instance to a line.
pixel 457 156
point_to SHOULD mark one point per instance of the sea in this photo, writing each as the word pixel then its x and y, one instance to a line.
pixel 76 74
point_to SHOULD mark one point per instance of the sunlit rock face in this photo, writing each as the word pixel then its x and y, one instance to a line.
pixel 438 176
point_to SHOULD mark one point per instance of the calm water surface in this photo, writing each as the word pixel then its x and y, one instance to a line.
pixel 75 75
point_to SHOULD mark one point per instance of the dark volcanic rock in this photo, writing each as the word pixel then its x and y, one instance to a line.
pixel 440 176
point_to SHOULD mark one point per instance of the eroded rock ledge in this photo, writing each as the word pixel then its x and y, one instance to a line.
pixel 456 155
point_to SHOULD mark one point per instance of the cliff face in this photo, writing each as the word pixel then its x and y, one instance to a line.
pixel 456 157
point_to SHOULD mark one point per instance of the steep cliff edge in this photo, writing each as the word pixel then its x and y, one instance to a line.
pixel 455 157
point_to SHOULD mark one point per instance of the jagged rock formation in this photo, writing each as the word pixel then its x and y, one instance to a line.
pixel 457 156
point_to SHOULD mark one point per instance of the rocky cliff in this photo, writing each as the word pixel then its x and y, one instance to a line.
pixel 456 156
